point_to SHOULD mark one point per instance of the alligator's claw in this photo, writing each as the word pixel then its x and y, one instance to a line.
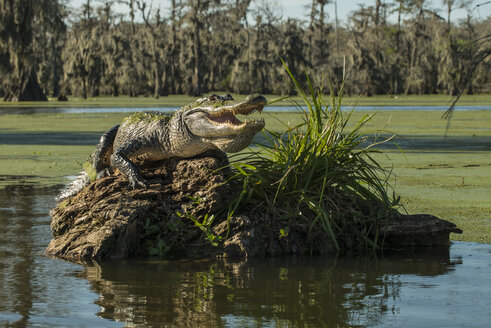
pixel 103 173
pixel 137 183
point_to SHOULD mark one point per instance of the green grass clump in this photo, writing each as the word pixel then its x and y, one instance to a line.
pixel 318 176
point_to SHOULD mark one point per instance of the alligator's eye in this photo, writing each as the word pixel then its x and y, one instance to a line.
pixel 225 117
pixel 227 97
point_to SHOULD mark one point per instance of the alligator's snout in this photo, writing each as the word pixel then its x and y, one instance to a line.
pixel 251 104
pixel 256 99
pixel 226 114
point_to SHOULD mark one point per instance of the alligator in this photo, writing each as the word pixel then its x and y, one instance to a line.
pixel 206 124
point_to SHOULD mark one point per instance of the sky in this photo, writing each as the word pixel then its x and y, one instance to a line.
pixel 297 8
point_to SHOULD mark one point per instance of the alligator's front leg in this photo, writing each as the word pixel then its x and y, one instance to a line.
pixel 101 157
pixel 120 160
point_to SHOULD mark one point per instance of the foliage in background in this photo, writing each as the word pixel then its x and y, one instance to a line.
pixel 319 176
pixel 199 46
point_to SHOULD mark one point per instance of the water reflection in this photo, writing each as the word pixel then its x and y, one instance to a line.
pixel 17 235
pixel 274 292
pixel 35 290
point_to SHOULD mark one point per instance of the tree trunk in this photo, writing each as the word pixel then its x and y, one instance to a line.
pixel 156 92
pixel 311 34
pixel 398 33
pixel 17 32
pixel 378 4
pixel 84 87
pixel 197 53
pixel 173 66
pixel 27 90
pixel 56 70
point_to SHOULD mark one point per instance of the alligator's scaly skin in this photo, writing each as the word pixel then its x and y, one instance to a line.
pixel 206 124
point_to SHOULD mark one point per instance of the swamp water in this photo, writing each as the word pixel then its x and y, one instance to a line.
pixel 427 288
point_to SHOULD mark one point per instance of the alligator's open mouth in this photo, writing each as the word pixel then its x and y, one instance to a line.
pixel 218 119
pixel 228 116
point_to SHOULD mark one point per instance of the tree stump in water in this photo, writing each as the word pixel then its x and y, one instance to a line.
pixel 172 218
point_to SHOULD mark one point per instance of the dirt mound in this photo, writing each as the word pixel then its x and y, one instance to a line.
pixel 172 218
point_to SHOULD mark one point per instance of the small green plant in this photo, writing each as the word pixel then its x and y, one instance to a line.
pixel 205 224
pixel 157 245
pixel 319 176
pixel 284 232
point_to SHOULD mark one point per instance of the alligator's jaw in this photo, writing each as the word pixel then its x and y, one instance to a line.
pixel 233 145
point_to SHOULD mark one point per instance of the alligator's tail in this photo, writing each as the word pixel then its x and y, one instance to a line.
pixel 73 188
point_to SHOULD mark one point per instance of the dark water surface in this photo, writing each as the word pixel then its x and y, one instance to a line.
pixel 433 288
